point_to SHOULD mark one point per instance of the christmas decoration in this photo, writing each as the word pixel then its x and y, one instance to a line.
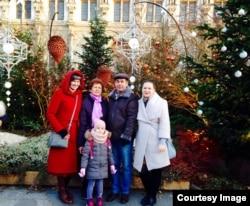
pixel 241 12
pixel 133 43
pixel 238 73
pixel 186 89
pixel 224 77
pixel 132 79
pixel 193 34
pixel 12 50
pixel 95 51
pixel 104 73
pixel 243 54
pixel 223 48
pixel 7 85
pixel 224 29
pixel 57 48
pixel 199 112
pixel 196 81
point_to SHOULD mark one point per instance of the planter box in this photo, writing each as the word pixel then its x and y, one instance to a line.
pixel 31 178
pixel 175 185
pixel 166 185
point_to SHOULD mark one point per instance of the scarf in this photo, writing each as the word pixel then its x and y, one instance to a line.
pixel 97 108
pixel 99 138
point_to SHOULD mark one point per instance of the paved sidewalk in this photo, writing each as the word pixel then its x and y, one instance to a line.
pixel 23 196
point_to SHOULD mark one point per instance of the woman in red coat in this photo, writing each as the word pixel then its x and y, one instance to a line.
pixel 64 162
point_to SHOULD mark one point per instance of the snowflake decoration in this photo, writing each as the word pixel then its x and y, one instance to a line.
pixel 12 50
pixel 133 43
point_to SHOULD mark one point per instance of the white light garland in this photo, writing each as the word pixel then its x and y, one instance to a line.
pixel 7 85
pixel 132 79
pixel 8 93
pixel 132 86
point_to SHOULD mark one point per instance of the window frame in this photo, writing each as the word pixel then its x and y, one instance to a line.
pixel 121 14
pixel 57 6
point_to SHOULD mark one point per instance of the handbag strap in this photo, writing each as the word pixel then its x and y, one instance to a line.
pixel 72 116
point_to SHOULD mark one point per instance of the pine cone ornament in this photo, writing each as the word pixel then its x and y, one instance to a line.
pixel 104 73
pixel 57 48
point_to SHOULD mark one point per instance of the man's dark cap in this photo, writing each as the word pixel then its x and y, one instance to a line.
pixel 121 76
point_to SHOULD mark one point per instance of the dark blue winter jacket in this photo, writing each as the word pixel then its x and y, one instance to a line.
pixel 122 115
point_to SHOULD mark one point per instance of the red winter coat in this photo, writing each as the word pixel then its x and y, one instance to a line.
pixel 65 161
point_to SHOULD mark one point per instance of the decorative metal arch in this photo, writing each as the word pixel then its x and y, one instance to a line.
pixel 179 29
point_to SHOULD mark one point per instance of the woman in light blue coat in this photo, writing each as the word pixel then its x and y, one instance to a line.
pixel 151 154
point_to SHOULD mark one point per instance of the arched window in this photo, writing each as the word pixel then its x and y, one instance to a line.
pixel 23 9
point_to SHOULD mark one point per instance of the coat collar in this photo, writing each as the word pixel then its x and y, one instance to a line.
pixel 153 109
pixel 126 93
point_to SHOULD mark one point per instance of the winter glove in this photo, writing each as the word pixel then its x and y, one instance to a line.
pixel 88 135
pixel 125 139
pixel 112 169
pixel 63 133
pixel 82 172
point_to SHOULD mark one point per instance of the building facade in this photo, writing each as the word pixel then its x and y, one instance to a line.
pixel 71 17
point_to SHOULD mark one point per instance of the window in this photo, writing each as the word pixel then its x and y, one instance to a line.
pixel 23 10
pixel 84 10
pixel 121 10
pixel 153 12
pixel 93 7
pixel 27 9
pixel 56 6
pixel 88 8
pixel 187 11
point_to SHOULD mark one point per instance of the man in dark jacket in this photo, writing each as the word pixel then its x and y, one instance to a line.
pixel 123 108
